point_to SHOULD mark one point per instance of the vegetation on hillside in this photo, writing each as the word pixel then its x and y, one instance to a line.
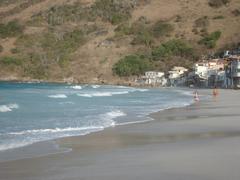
pixel 47 40
pixel 49 49
pixel 137 64
pixel 236 12
pixel 161 29
pixel 17 9
pixel 1 48
pixel 143 33
pixel 218 17
pixel 210 40
pixel 173 47
pixel 111 11
pixel 218 3
pixel 12 28
pixel 10 61
pixel 132 65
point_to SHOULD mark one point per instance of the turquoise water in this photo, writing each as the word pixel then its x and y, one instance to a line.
pixel 32 113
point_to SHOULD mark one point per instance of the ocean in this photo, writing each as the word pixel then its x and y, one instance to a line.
pixel 37 112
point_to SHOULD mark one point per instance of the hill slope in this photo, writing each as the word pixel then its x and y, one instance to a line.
pixel 82 40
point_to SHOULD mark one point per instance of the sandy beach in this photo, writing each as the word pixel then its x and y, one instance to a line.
pixel 198 142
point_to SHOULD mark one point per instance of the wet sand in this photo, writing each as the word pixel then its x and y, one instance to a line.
pixel 198 142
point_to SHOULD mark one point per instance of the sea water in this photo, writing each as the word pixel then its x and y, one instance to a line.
pixel 36 112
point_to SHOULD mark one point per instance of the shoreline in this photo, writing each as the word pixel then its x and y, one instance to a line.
pixel 53 147
pixel 126 84
pixel 113 83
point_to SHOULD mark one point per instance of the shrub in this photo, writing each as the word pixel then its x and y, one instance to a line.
pixel 132 65
pixel 123 29
pixel 142 33
pixel 72 40
pixel 58 15
pixel 13 28
pixel 19 7
pixel 14 50
pixel 6 2
pixel 144 37
pixel 218 3
pixel 211 39
pixel 118 18
pixel 59 50
pixel 10 61
pixel 202 22
pixel 113 11
pixel 161 29
pixel 1 49
pixel 173 47
pixel 218 17
pixel 236 12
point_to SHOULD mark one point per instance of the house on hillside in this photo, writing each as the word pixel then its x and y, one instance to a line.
pixel 201 70
pixel 177 76
pixel 209 73
pixel 233 72
pixel 153 78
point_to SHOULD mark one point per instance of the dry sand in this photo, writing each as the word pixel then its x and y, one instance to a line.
pixel 199 142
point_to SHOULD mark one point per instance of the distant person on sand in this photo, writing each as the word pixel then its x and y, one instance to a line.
pixel 195 95
pixel 215 91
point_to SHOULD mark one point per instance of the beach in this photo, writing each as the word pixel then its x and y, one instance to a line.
pixel 197 142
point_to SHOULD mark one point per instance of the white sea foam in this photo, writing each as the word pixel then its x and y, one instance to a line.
pixel 76 87
pixel 122 92
pixel 109 117
pixel 38 135
pixel 96 86
pixel 101 94
pixel 68 102
pixel 56 130
pixel 8 108
pixel 85 95
pixel 135 122
pixel 56 96
pixel 4 147
pixel 142 90
pixel 115 114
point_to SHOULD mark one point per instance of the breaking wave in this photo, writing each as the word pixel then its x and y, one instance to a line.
pixel 37 135
pixel 8 108
pixel 101 94
pixel 56 130
pixel 96 86
pixel 76 87
pixel 108 118
pixel 57 96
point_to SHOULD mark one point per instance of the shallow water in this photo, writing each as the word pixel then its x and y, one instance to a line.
pixel 32 112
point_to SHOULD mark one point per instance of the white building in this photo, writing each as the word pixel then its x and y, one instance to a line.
pixel 154 78
pixel 201 69
pixel 205 69
pixel 177 76
pixel 211 72
pixel 235 72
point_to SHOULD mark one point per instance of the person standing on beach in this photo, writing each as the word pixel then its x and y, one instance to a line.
pixel 196 96
pixel 215 91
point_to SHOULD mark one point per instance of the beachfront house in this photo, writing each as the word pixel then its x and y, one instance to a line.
pixel 233 72
pixel 201 70
pixel 154 78
pixel 177 76
pixel 210 73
